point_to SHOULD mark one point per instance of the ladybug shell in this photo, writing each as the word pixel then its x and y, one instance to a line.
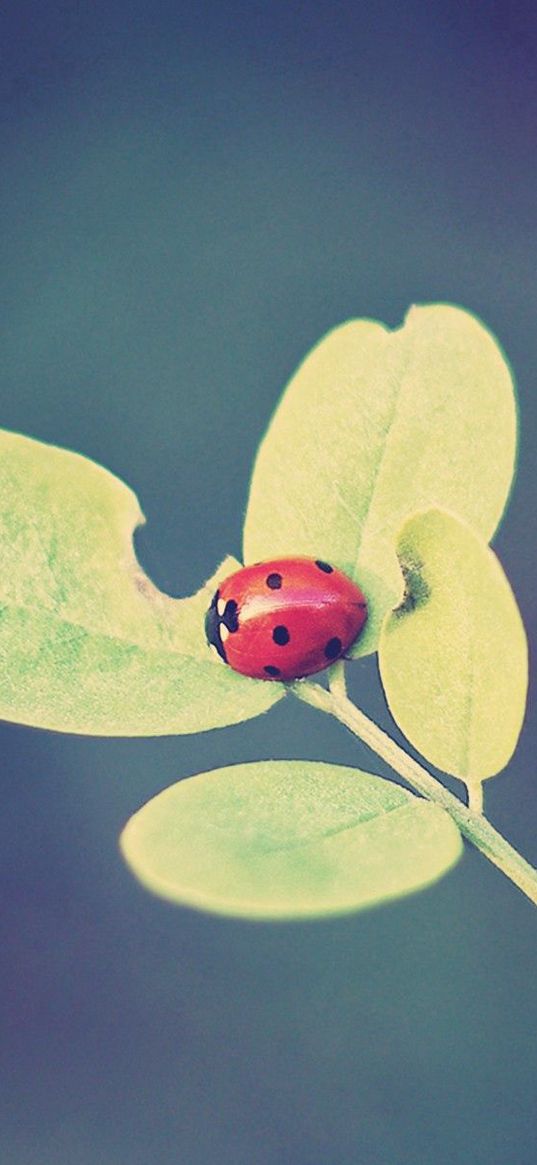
pixel 284 619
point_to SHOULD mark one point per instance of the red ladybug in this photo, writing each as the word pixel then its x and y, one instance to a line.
pixel 284 619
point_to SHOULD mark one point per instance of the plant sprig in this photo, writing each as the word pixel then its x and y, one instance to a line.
pixel 390 455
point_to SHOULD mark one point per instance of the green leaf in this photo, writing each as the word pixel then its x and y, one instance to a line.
pixel 288 839
pixel 87 642
pixel 375 425
pixel 453 660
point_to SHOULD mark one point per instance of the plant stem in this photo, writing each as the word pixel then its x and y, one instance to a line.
pixel 475 797
pixel 471 823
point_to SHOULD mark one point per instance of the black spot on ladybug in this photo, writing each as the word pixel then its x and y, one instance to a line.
pixel 333 648
pixel 281 635
pixel 324 566
pixel 230 618
pixel 271 670
pixel 274 581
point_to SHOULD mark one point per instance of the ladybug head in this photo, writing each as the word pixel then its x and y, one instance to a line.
pixel 212 621
pixel 220 615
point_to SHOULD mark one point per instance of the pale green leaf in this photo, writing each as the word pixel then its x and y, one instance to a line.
pixel 375 425
pixel 87 642
pixel 453 659
pixel 288 839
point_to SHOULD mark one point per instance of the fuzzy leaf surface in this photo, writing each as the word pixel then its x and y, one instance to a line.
pixel 375 425
pixel 453 660
pixel 87 643
pixel 288 839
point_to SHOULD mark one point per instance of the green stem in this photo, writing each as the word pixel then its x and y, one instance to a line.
pixel 472 824
pixel 475 797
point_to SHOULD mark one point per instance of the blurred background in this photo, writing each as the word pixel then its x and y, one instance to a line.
pixel 191 195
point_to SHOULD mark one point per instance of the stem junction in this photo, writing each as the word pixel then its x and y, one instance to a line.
pixel 469 818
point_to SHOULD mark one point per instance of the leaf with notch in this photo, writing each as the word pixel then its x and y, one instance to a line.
pixel 453 660
pixel 87 643
pixel 374 425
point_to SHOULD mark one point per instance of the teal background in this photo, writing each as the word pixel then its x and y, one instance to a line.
pixel 190 197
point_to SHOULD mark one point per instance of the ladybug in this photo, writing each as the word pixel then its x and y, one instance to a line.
pixel 284 619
